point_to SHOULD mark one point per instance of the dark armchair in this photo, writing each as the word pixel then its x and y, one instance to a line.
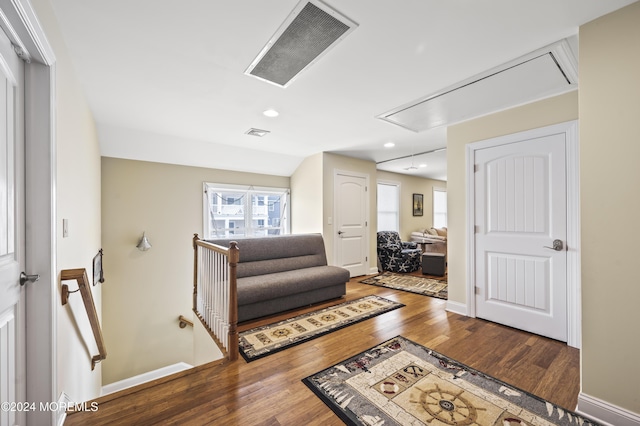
pixel 395 255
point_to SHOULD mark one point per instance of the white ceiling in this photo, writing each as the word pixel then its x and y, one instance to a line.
pixel 165 78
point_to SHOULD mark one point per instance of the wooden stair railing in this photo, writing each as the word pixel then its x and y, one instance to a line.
pixel 80 275
pixel 215 292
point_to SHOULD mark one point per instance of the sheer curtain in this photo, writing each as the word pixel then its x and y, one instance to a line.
pixel 388 206
pixel 439 208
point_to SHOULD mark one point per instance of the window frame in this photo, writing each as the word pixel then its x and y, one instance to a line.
pixel 434 212
pixel 398 187
pixel 248 215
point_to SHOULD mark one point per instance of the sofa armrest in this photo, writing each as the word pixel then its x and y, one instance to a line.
pixel 390 248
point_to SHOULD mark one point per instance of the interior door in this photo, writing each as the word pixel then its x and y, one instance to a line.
pixel 12 307
pixel 520 235
pixel 351 223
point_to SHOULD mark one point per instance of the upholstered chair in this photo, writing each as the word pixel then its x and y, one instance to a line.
pixel 395 255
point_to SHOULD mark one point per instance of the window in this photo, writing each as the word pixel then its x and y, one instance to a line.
pixel 388 206
pixel 232 210
pixel 439 207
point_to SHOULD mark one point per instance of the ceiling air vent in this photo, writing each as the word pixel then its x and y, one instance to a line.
pixel 257 132
pixel 546 72
pixel 307 34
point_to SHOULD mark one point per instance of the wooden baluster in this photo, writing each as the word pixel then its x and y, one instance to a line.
pixel 217 296
pixel 215 292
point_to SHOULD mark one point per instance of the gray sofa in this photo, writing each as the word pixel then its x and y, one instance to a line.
pixel 284 272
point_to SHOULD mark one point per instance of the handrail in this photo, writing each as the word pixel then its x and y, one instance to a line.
pixel 80 275
pixel 221 324
pixel 183 321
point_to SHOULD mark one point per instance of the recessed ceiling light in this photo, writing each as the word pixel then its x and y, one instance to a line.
pixel 389 145
pixel 422 165
pixel 270 113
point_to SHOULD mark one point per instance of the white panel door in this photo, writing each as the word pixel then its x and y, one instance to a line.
pixel 520 192
pixel 351 223
pixel 12 325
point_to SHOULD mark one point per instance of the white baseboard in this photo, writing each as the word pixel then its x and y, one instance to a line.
pixel 144 377
pixel 457 308
pixel 61 414
pixel 605 413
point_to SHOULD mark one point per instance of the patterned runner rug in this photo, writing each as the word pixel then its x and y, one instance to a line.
pixel 268 339
pixel 402 383
pixel 411 283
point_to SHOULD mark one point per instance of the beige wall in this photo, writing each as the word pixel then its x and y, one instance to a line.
pixel 204 348
pixel 410 185
pixel 610 149
pixel 145 292
pixel 78 200
pixel 306 196
pixel 539 114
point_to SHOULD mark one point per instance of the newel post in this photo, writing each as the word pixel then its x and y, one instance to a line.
pixel 234 258
pixel 195 272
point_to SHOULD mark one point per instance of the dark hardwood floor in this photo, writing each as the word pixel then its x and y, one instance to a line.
pixel 269 391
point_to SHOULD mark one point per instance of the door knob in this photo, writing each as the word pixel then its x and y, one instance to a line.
pixel 24 278
pixel 340 232
pixel 557 245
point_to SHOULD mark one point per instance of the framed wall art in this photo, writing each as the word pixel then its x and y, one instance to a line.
pixel 418 204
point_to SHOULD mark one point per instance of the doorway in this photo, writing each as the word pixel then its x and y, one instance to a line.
pixel 523 231
pixel 351 206
pixel 12 229
pixel 27 39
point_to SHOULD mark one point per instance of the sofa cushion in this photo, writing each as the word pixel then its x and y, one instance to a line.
pixel 280 253
pixel 441 232
pixel 252 289
pixel 275 265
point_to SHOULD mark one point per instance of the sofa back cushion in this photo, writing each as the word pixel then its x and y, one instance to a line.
pixel 388 238
pixel 268 255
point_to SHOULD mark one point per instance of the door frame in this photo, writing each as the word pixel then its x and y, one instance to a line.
pixel 570 130
pixel 32 46
pixel 367 214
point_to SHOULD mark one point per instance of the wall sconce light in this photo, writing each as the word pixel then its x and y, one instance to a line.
pixel 144 243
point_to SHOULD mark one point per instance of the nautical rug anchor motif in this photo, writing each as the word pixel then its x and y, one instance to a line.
pixel 268 339
pixel 410 283
pixel 402 383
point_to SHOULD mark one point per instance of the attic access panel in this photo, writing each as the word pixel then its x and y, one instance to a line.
pixel 309 32
pixel 544 73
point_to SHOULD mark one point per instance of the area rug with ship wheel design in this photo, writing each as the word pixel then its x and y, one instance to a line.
pixel 400 382
pixel 411 283
pixel 268 339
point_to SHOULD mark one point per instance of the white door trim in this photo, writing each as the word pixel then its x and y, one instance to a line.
pixel 570 129
pixel 40 172
pixel 365 176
